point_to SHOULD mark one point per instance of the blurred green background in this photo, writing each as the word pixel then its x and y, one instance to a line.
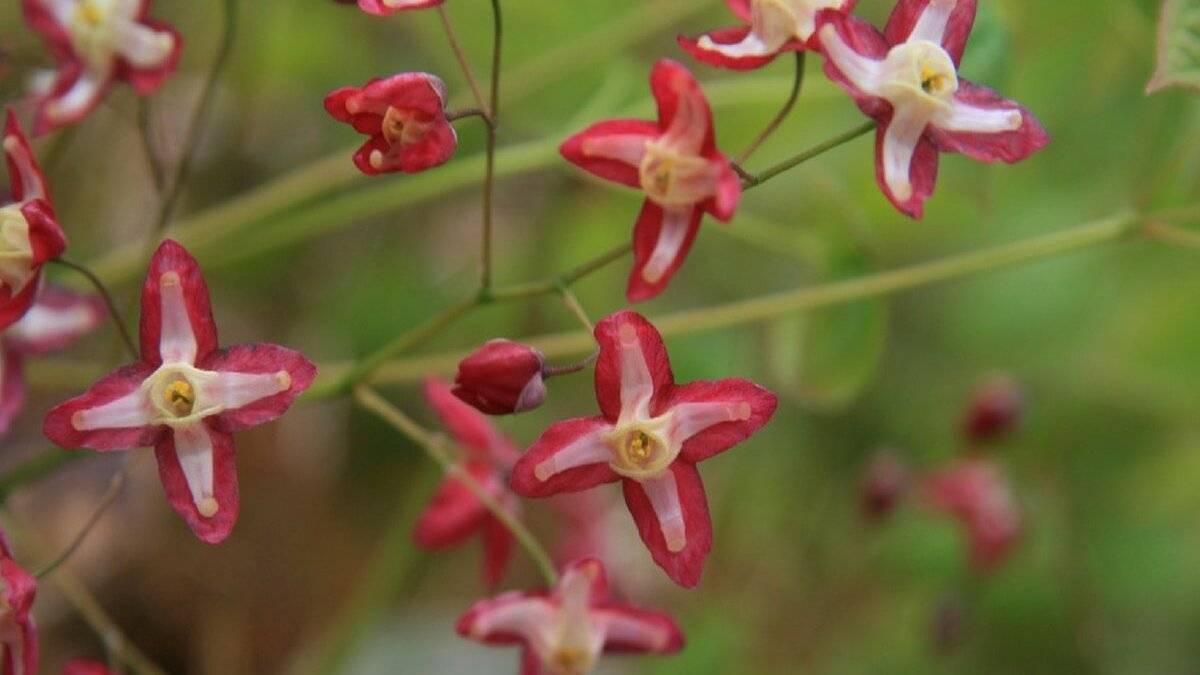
pixel 1105 342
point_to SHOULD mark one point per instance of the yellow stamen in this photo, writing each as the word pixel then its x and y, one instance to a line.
pixel 180 397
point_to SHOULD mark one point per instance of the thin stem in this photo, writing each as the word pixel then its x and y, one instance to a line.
pixel 463 113
pixel 1171 234
pixel 113 311
pixel 154 164
pixel 573 305
pixel 549 285
pixel 434 448
pixel 768 174
pixel 489 179
pixel 797 83
pixel 555 371
pixel 110 495
pixel 459 54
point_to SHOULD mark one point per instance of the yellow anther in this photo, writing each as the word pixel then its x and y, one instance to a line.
pixel 570 661
pixel 90 11
pixel 640 445
pixel 180 397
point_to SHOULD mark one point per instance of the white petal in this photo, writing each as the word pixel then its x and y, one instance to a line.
pixel 664 497
pixel 899 145
pixel 194 448
pixel 588 449
pixel 961 116
pixel 31 182
pixel 81 96
pixel 141 45
pixel 637 385
pixel 512 613
pixel 651 636
pixel 625 148
pixel 861 71
pixel 177 341
pixel 43 323
pixel 931 26
pixel 689 419
pixel 671 237
pixel 689 126
pixel 229 390
pixel 127 412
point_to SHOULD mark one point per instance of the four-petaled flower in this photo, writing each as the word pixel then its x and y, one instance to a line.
pixel 405 117
pixel 978 494
pixel 95 42
pixel 55 320
pixel 564 631
pixel 675 162
pixel 455 513
pixel 29 231
pixel 907 80
pixel 18 636
pixel 502 377
pixel 386 7
pixel 650 435
pixel 775 27
pixel 184 396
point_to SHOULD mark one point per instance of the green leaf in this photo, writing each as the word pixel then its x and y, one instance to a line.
pixel 1178 46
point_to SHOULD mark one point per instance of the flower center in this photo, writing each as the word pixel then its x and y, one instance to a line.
pixel 569 660
pixel 179 396
pixel 919 71
pixel 91 31
pixel 402 127
pixel 175 392
pixel 641 451
pixel 674 179
pixel 16 252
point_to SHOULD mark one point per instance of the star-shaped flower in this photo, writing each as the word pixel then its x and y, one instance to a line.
pixel 675 162
pixel 405 117
pixel 977 493
pixel 907 80
pixel 564 631
pixel 18 635
pixel 650 435
pixel 774 27
pixel 184 396
pixel 96 42
pixel 29 232
pixel 386 7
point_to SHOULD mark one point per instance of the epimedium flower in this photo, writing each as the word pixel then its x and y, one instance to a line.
pixel 96 42
pixel 773 27
pixel 405 117
pixel 29 231
pixel 18 635
pixel 650 435
pixel 978 494
pixel 564 631
pixel 906 79
pixel 57 319
pixel 455 514
pixel 184 396
pixel 502 377
pixel 675 162
pixel 386 7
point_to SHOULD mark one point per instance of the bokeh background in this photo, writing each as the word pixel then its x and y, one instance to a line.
pixel 321 575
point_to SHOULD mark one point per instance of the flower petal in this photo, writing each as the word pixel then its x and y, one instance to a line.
pixel 386 7
pixel 255 383
pixel 177 323
pixel 469 427
pixel 20 650
pixel 906 163
pixel 508 618
pixel 944 22
pixel 497 551
pixel 662 239
pixel 152 68
pixel 622 378
pixel 853 50
pixel 57 318
pixel 12 387
pixel 734 48
pixel 742 8
pixel 75 93
pixel 570 456
pixel 985 126
pixel 632 629
pixel 198 472
pixel 25 177
pixel 454 513
pixel 683 110
pixel 684 565
pixel 712 417
pixel 612 149
pixel 111 415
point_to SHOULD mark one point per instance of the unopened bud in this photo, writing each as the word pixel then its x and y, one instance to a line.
pixel 884 484
pixel 995 409
pixel 502 377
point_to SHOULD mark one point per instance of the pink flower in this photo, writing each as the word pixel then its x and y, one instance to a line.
pixel 502 377
pixel 184 396
pixel 29 232
pixel 18 635
pixel 456 514
pixel 564 631
pixel 386 7
pixel 675 162
pixel 650 435
pixel 405 116
pixel 907 80
pixel 775 27
pixel 978 494
pixel 96 42
pixel 86 667
pixel 55 320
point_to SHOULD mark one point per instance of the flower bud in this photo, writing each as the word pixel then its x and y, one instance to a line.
pixel 995 410
pixel 884 484
pixel 502 377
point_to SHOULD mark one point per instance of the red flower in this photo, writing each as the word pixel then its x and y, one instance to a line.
pixel 995 410
pixel 907 80
pixel 978 494
pixel 185 397
pixel 386 7
pixel 565 630
pixel 775 27
pixel 29 232
pixel 56 319
pixel 456 514
pixel 650 435
pixel 502 377
pixel 96 42
pixel 405 116
pixel 86 667
pixel 675 162
pixel 18 635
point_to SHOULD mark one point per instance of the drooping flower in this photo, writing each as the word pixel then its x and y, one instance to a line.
pixel 86 667
pixel 185 396
pixel 455 514
pixel 57 319
pixel 774 27
pixel 502 377
pixel 995 410
pixel 675 162
pixel 907 80
pixel 386 7
pixel 977 493
pixel 564 631
pixel 94 43
pixel 650 435
pixel 405 117
pixel 29 232
pixel 18 635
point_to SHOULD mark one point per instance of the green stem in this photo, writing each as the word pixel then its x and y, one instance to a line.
pixel 154 166
pixel 110 495
pixel 461 56
pixel 797 83
pixel 754 180
pixel 489 176
pixel 549 285
pixel 1171 234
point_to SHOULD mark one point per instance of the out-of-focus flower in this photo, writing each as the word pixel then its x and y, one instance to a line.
pixel 564 631
pixel 907 80
pixel 86 667
pixel 977 493
pixel 884 484
pixel 57 319
pixel 650 435
pixel 18 635
pixel 675 162
pixel 502 377
pixel 995 410
pixel 773 27
pixel 29 232
pixel 405 117
pixel 185 397
pixel 386 7
pixel 94 43
pixel 455 514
